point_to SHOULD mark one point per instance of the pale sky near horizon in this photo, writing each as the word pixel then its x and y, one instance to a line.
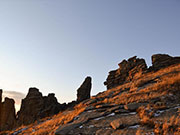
pixel 54 45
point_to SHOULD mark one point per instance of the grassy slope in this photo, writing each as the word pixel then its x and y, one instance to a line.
pixel 149 86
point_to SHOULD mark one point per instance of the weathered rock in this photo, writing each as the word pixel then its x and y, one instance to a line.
pixel 67 128
pixel 84 91
pixel 31 106
pixel 7 117
pixel 104 132
pixel 134 106
pixel 163 60
pixel 126 72
pixel 35 106
pixel 135 67
pixel 125 121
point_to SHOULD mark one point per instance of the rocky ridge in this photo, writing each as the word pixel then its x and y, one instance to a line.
pixel 35 106
pixel 144 101
pixel 134 67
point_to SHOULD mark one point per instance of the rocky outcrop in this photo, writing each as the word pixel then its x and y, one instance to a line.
pixel 7 114
pixel 149 104
pixel 127 70
pixel 35 106
pixel 84 90
pixel 163 60
pixel 134 67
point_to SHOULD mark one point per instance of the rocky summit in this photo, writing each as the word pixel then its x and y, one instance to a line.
pixel 138 101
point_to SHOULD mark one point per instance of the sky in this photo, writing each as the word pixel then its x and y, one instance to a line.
pixel 54 45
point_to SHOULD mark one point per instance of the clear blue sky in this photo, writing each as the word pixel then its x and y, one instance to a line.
pixel 54 45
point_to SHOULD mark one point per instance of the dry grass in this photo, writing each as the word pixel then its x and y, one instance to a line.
pixel 48 127
pixel 168 81
pixel 169 127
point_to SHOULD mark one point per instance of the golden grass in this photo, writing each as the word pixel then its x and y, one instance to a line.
pixel 168 81
pixel 48 127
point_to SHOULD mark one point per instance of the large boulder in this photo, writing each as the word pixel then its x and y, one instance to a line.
pixel 84 90
pixel 7 114
pixel 163 60
pixel 35 106
pixel 128 69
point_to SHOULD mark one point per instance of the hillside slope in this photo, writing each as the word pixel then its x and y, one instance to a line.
pixel 147 102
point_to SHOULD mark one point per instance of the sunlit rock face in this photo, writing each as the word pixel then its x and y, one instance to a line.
pixel 128 69
pixel 84 90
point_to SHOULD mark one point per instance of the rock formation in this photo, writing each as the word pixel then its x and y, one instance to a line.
pixel 135 67
pixel 7 113
pixel 163 60
pixel 84 90
pixel 34 106
pixel 149 104
pixel 127 70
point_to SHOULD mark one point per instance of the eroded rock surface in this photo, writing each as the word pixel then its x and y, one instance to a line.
pixel 84 91
pixel 163 60
pixel 134 67
pixel 137 102
pixel 35 106
pixel 127 70
pixel 145 103
pixel 7 114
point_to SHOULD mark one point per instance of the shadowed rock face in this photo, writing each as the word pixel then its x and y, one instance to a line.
pixel 31 106
pixel 7 114
pixel 84 90
pixel 163 60
pixel 35 106
pixel 126 72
